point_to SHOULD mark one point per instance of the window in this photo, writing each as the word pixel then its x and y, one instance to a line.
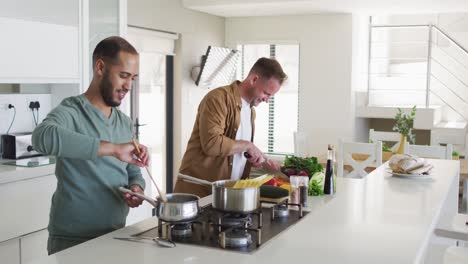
pixel 276 121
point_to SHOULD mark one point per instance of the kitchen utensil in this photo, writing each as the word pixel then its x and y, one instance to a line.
pixel 228 199
pixel 164 242
pixel 161 194
pixel 179 207
pixel 159 240
pixel 267 169
pixel 18 146
pixel 274 200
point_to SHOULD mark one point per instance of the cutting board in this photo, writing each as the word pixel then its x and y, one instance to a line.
pixel 273 200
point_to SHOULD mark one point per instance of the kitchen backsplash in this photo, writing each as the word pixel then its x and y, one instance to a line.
pixel 24 120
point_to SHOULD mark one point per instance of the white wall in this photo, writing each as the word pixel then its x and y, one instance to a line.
pixel 24 121
pixel 326 108
pixel 197 31
pixel 456 25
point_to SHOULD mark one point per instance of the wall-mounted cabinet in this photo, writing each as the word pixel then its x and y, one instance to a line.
pixel 40 41
pixel 52 41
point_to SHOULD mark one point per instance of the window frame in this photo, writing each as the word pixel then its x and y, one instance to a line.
pixel 271 151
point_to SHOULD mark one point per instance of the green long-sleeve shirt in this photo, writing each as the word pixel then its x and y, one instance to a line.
pixel 86 202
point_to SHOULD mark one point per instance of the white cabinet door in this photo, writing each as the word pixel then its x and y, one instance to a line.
pixel 10 252
pixel 40 41
pixel 34 246
pixel 25 206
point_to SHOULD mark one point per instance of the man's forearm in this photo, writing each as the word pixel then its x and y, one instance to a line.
pixel 256 155
pixel 51 139
pixel 240 146
pixel 106 149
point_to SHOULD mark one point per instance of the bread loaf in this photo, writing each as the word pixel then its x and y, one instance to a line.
pixel 405 163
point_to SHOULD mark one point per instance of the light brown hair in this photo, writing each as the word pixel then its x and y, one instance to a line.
pixel 269 68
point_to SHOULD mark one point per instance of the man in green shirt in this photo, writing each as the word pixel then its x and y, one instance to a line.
pixel 92 141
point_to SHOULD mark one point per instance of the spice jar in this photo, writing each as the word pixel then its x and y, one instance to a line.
pixel 299 191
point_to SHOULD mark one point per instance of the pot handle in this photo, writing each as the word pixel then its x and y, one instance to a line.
pixel 194 180
pixel 139 195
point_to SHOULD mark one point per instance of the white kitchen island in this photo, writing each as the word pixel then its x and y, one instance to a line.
pixel 378 219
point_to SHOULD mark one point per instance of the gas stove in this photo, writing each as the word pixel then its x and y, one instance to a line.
pixel 230 231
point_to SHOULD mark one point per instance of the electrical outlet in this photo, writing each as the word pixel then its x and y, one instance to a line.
pixel 34 105
pixel 6 106
pixel 3 106
pixel 31 105
pixel 4 102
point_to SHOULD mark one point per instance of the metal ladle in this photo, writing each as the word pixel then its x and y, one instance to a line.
pixel 158 240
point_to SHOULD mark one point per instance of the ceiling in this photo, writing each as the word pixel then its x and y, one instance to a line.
pixel 237 8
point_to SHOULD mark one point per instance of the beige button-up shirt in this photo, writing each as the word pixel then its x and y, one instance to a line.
pixel 212 139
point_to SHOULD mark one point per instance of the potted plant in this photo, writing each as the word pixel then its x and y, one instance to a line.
pixel 455 155
pixel 386 152
pixel 404 126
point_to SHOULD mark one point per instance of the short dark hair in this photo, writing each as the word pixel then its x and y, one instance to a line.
pixel 108 49
pixel 269 68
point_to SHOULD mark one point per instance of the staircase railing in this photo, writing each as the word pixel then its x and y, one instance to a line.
pixel 432 35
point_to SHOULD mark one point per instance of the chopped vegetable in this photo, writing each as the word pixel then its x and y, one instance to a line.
pixel 315 187
pixel 271 182
pixel 301 166
pixel 386 148
pixel 286 186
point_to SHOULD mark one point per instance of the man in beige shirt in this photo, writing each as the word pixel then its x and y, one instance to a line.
pixel 223 130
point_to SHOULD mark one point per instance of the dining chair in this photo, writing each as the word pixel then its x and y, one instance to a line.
pixel 373 151
pixel 458 231
pixel 431 152
pixel 459 142
pixel 384 136
pixel 456 255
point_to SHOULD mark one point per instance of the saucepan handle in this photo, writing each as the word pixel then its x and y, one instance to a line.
pixel 139 195
pixel 194 180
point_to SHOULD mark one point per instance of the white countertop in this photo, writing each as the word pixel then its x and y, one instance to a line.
pixel 9 173
pixel 379 219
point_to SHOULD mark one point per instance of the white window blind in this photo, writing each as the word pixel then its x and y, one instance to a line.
pixel 276 121
pixel 152 41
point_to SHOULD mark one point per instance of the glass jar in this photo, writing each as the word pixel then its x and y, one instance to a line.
pixel 298 193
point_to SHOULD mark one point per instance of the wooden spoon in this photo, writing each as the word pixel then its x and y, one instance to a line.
pixel 161 194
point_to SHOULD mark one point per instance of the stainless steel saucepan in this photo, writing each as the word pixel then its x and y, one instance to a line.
pixel 228 199
pixel 180 207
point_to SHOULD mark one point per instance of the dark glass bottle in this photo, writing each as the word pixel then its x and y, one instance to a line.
pixel 329 185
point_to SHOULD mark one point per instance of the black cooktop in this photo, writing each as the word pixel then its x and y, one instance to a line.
pixel 216 229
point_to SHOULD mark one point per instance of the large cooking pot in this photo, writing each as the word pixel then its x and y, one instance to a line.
pixel 228 199
pixel 180 207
